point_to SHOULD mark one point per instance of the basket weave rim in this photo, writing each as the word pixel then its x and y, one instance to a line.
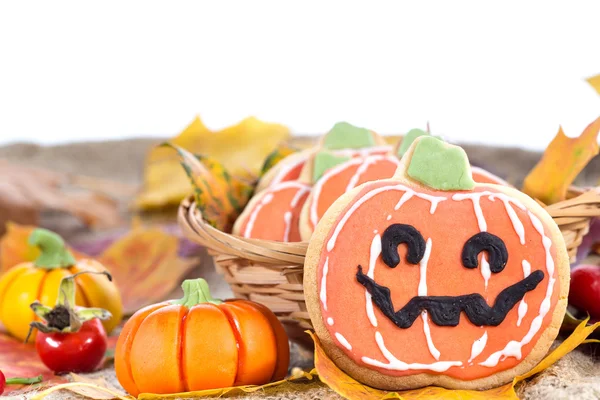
pixel 572 214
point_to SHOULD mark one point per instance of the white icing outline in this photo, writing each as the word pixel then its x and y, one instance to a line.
pixel 287 218
pixel 363 164
pixel 478 346
pixel 364 152
pixel 497 180
pixel 513 348
pixel 522 310
pixel 397 365
pixel 323 294
pixel 486 272
pixel 375 251
pixel 343 341
pixel 367 196
pixel 285 169
pixel 268 197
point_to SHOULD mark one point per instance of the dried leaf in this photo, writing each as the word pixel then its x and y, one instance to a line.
pixel 145 265
pixel 570 321
pixel 349 388
pixel 275 156
pixel 26 191
pixel 595 82
pixel 21 360
pixel 85 389
pixel 98 388
pixel 219 196
pixel 562 161
pixel 241 149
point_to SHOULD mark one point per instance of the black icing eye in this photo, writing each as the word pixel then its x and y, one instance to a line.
pixel 399 233
pixel 492 244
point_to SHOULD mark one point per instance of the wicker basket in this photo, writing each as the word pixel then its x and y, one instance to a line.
pixel 271 272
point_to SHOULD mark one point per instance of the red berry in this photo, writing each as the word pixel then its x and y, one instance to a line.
pixel 585 289
pixel 81 351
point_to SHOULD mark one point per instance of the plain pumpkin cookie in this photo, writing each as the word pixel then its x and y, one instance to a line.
pixel 429 278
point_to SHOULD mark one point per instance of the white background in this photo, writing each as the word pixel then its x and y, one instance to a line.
pixel 501 73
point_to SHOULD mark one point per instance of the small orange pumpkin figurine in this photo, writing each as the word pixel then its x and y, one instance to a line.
pixel 40 280
pixel 198 343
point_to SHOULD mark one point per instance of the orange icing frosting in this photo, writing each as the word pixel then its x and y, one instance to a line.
pixel 344 302
pixel 480 175
pixel 289 172
pixel 340 179
pixel 276 213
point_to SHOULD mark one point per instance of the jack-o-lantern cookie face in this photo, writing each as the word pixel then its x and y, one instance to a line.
pixel 431 279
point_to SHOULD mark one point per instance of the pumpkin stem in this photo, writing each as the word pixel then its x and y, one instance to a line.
pixel 438 165
pixel 195 291
pixel 65 317
pixel 54 251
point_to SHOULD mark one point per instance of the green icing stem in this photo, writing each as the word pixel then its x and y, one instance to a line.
pixel 323 161
pixel 408 139
pixel 439 165
pixel 195 291
pixel 346 136
pixel 54 253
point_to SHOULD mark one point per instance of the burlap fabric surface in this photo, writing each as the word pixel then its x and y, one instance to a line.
pixel 576 376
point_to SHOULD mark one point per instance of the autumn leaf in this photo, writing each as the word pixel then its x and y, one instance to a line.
pixel 241 149
pixel 100 389
pixel 275 156
pixel 145 266
pixel 349 388
pixel 562 161
pixel 220 196
pixel 18 359
pixel 595 82
pixel 144 262
pixel 26 191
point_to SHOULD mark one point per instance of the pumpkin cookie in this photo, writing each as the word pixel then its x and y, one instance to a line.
pixel 286 170
pixel 430 278
pixel 273 213
pixel 481 175
pixel 339 180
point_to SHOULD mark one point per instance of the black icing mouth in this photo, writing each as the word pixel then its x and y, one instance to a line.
pixel 446 310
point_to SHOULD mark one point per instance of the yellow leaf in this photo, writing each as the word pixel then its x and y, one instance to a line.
pixel 100 389
pixel 562 161
pixel 576 338
pixel 275 156
pixel 241 149
pixel 595 82
pixel 349 388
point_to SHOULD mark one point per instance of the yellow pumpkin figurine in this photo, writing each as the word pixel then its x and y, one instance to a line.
pixel 39 280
